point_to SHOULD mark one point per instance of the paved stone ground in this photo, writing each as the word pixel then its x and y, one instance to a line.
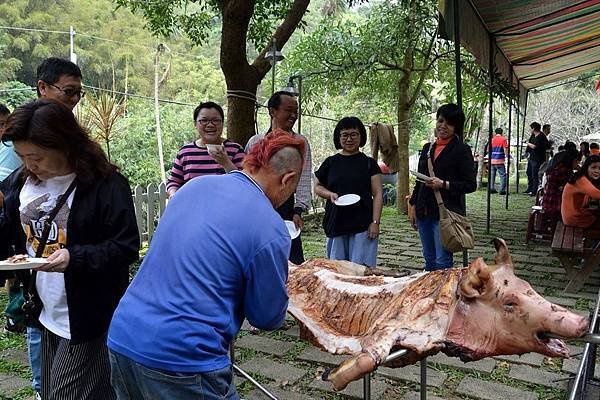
pixel 292 368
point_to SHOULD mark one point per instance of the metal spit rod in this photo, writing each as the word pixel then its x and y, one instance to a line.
pixel 254 382
pixel 367 378
pixel 586 353
pixel 593 338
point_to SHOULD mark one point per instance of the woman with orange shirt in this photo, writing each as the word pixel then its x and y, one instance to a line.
pixel 582 187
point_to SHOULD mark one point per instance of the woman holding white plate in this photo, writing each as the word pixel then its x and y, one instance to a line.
pixel 350 181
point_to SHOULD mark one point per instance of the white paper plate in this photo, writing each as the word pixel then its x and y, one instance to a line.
pixel 294 233
pixel 420 175
pixel 347 200
pixel 31 263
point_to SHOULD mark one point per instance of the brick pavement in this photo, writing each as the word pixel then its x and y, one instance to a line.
pixel 293 372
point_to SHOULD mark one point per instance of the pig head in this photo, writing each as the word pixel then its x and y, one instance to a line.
pixel 499 313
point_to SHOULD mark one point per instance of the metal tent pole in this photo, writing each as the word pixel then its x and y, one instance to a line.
pixel 423 383
pixel 490 129
pixel 523 125
pixel 507 183
pixel 518 142
pixel 586 361
pixel 458 78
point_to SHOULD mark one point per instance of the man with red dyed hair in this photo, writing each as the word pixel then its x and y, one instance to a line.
pixel 219 255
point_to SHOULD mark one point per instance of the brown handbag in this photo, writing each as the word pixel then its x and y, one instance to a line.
pixel 456 233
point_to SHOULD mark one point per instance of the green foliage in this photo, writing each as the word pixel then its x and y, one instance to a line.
pixel 16 93
pixel 195 18
pixel 135 149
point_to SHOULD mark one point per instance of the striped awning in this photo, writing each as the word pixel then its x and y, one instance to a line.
pixel 542 41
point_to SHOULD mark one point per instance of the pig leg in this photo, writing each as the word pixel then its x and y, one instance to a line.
pixel 350 370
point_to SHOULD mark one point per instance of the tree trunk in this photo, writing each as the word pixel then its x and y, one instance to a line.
pixel 403 111
pixel 242 79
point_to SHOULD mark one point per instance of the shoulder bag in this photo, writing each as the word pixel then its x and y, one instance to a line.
pixel 456 233
pixel 32 306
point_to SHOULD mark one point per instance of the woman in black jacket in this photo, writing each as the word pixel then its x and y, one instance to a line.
pixel 454 172
pixel 93 239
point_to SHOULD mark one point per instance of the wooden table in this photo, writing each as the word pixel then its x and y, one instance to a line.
pixel 571 248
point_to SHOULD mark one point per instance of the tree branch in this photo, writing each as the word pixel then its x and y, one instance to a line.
pixel 282 34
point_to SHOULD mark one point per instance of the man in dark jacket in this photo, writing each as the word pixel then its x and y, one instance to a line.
pixel 537 146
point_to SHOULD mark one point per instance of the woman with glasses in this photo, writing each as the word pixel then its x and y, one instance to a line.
pixel 352 230
pixel 210 154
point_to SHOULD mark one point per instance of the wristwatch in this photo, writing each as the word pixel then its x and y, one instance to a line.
pixel 375 222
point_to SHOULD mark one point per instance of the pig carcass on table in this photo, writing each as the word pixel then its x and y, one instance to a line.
pixel 475 312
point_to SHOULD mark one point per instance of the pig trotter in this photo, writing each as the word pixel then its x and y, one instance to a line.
pixel 350 370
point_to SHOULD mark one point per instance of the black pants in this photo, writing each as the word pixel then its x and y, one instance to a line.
pixel 533 180
pixel 286 211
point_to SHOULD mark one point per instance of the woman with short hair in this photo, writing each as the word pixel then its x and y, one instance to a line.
pixel 454 171
pixel 92 240
pixel 352 230
pixel 209 154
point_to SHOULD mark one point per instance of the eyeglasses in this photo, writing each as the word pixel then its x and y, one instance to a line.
pixel 215 121
pixel 69 92
pixel 346 136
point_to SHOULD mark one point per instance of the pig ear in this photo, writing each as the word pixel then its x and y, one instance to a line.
pixel 476 280
pixel 502 253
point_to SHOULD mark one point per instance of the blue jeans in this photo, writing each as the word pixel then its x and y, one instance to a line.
pixel 501 170
pixel 34 349
pixel 436 256
pixel 133 381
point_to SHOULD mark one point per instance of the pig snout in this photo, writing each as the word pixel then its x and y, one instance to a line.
pixel 567 324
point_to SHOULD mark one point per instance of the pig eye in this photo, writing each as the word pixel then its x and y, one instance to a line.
pixel 510 305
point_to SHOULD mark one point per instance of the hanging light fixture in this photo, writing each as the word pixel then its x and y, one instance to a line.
pixel 291 88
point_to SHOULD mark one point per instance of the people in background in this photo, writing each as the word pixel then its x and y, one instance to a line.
pixel 93 240
pixel 584 150
pixel 557 176
pixel 497 160
pixel 594 149
pixel 454 171
pixel 583 186
pixel 283 109
pixel 209 154
pixel 352 230
pixel 9 161
pixel 58 80
pixel 537 146
pixel 170 336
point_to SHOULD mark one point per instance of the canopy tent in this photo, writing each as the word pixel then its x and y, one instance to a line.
pixel 529 43
pixel 592 136
pixel 535 42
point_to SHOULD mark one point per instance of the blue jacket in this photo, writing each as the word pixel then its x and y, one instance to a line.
pixel 219 254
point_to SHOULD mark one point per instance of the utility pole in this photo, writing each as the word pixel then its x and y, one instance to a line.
pixel 72 55
pixel 161 159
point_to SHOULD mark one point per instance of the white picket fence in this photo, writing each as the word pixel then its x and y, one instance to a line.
pixel 150 203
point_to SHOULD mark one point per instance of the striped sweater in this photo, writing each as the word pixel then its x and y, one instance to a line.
pixel 192 161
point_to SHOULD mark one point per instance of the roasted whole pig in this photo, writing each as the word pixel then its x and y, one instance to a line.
pixel 471 313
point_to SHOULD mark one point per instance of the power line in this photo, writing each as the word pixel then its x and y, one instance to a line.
pixel 16 28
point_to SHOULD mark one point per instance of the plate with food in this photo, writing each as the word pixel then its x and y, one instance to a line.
pixel 21 261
